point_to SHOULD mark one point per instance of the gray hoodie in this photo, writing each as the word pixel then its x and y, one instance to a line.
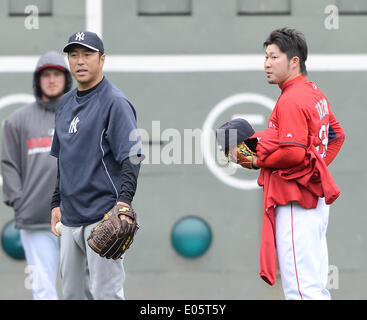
pixel 29 172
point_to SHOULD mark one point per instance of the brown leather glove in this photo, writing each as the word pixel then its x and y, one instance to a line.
pixel 243 156
pixel 113 236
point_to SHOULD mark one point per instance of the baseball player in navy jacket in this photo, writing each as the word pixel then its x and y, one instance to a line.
pixel 99 153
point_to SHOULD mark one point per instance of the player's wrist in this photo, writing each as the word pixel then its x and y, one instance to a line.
pixel 255 164
pixel 123 203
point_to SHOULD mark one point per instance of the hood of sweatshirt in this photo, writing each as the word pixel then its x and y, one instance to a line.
pixel 51 59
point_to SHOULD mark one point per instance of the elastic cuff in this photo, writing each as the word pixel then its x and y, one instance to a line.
pixel 126 200
pixel 55 205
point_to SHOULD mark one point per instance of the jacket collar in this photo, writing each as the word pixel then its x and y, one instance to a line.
pixel 300 78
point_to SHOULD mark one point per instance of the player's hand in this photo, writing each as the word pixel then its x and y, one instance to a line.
pixel 55 218
pixel 122 217
pixel 113 235
pixel 243 156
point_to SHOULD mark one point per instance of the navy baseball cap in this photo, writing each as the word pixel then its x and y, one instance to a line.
pixel 234 132
pixel 87 39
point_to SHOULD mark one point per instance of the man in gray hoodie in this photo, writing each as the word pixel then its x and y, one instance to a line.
pixel 29 172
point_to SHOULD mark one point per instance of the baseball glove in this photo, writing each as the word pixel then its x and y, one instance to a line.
pixel 113 236
pixel 242 155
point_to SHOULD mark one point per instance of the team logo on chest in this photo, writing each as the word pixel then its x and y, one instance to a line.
pixel 73 125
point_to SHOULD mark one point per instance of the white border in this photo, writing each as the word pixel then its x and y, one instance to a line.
pixel 196 63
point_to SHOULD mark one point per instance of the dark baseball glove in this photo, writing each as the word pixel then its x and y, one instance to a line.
pixel 242 155
pixel 113 235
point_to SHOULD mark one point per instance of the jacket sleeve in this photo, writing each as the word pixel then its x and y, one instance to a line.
pixel 335 129
pixel 11 164
pixel 55 200
pixel 130 173
pixel 336 139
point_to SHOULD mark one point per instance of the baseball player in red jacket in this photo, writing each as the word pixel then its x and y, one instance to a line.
pixel 305 123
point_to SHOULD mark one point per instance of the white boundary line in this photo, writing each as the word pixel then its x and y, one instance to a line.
pixel 93 14
pixel 196 63
pixel 15 98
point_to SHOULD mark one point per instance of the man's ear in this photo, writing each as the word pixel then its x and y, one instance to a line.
pixel 296 61
pixel 102 59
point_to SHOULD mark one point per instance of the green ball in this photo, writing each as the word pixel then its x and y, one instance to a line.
pixel 191 237
pixel 11 242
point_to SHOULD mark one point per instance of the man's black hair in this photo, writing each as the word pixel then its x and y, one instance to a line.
pixel 292 43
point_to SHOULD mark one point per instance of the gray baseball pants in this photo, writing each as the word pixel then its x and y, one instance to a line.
pixel 85 275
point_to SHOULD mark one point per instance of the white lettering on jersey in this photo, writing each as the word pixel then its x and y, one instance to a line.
pixel 322 108
pixel 324 138
pixel 73 124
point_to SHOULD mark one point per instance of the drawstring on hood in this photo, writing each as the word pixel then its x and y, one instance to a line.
pixel 51 59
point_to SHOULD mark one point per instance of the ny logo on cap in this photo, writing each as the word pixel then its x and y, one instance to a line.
pixel 79 36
